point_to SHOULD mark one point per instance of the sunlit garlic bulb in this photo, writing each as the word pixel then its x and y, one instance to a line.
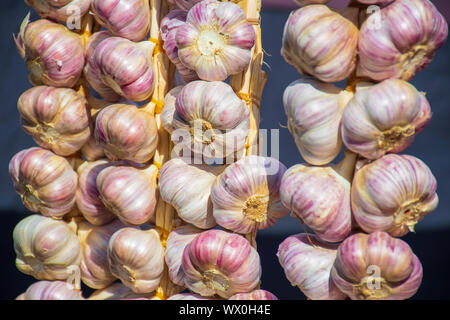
pixel 254 295
pixel 393 194
pixel 136 257
pixel 63 11
pixel 45 182
pixel 51 290
pixel 217 262
pixel 91 150
pixel 46 249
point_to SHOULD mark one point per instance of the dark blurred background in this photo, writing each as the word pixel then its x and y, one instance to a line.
pixel 431 242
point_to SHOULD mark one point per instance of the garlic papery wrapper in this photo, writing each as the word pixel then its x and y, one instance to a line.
pixel 56 118
pixel 128 19
pixel 376 266
pixel 217 262
pixel 216 40
pixel 307 263
pixel 46 249
pixel 314 112
pixel 60 11
pixel 187 296
pixel 246 196
pixel 126 132
pixel 400 40
pixel 51 290
pixel 53 54
pixel 392 194
pixel 320 42
pixel 384 118
pixel 91 150
pixel 129 193
pixel 45 182
pixel 254 295
pixel 136 257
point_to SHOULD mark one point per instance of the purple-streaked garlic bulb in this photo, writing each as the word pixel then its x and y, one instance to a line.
pixel 91 150
pixel 393 194
pixel 128 19
pixel 320 42
pixel 45 182
pixel 136 257
pixel 307 263
pixel 314 112
pixel 51 290
pixel 61 11
pixel 216 40
pixel 188 296
pixel 246 196
pixel 384 118
pixel 254 295
pixel 217 262
pixel 400 40
pixel 56 118
pixel 46 249
pixel 375 267
pixel 126 132
pixel 53 54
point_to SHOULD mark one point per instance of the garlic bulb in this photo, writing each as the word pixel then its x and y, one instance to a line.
pixel 45 182
pixel 53 54
pixel 217 262
pixel 400 40
pixel 127 133
pixel 376 266
pixel 60 11
pixel 117 291
pixel 46 249
pixel 51 290
pixel 187 296
pixel 56 118
pixel 384 118
pixel 128 19
pixel 254 295
pixel 91 151
pixel 320 42
pixel 307 263
pixel 136 257
pixel 246 196
pixel 393 194
pixel 216 40
pixel 314 111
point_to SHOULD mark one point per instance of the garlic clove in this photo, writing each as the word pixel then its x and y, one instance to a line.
pixel 91 151
pixel 60 11
pixel 254 295
pixel 51 290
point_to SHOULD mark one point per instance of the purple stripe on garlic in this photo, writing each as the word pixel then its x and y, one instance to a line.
pixel 254 295
pixel 51 290
pixel 60 11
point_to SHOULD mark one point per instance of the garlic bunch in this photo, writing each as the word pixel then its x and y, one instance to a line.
pixel 46 249
pixel 62 11
pixel 401 39
pixel 307 263
pixel 393 194
pixel 91 151
pixel 187 296
pixel 254 295
pixel 46 182
pixel 246 196
pixel 376 266
pixel 51 290
pixel 217 262
pixel 314 111
pixel 136 257
pixel 320 42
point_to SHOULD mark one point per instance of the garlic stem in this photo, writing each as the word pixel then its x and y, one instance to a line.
pixel 346 168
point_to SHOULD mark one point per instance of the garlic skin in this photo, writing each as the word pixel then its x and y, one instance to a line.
pixel 217 262
pixel 91 151
pixel 128 19
pixel 376 267
pixel 56 118
pixel 187 296
pixel 53 54
pixel 60 11
pixel 126 133
pixel 402 42
pixel 314 112
pixel 51 290
pixel 136 257
pixel 320 198
pixel 393 194
pixel 45 248
pixel 254 295
pixel 216 40
pixel 320 42
pixel 45 182
pixel 246 196
pixel 384 118
pixel 307 263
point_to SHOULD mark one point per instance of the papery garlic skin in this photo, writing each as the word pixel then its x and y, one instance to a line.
pixel 45 182
pixel 46 249
pixel 187 296
pixel 320 42
pixel 51 290
pixel 314 112
pixel 91 150
pixel 136 257
pixel 254 295
pixel 217 262
pixel 216 40
pixel 60 11
pixel 400 40
pixel 384 118
pixel 393 194
pixel 307 263
pixel 56 118
pixel 376 267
